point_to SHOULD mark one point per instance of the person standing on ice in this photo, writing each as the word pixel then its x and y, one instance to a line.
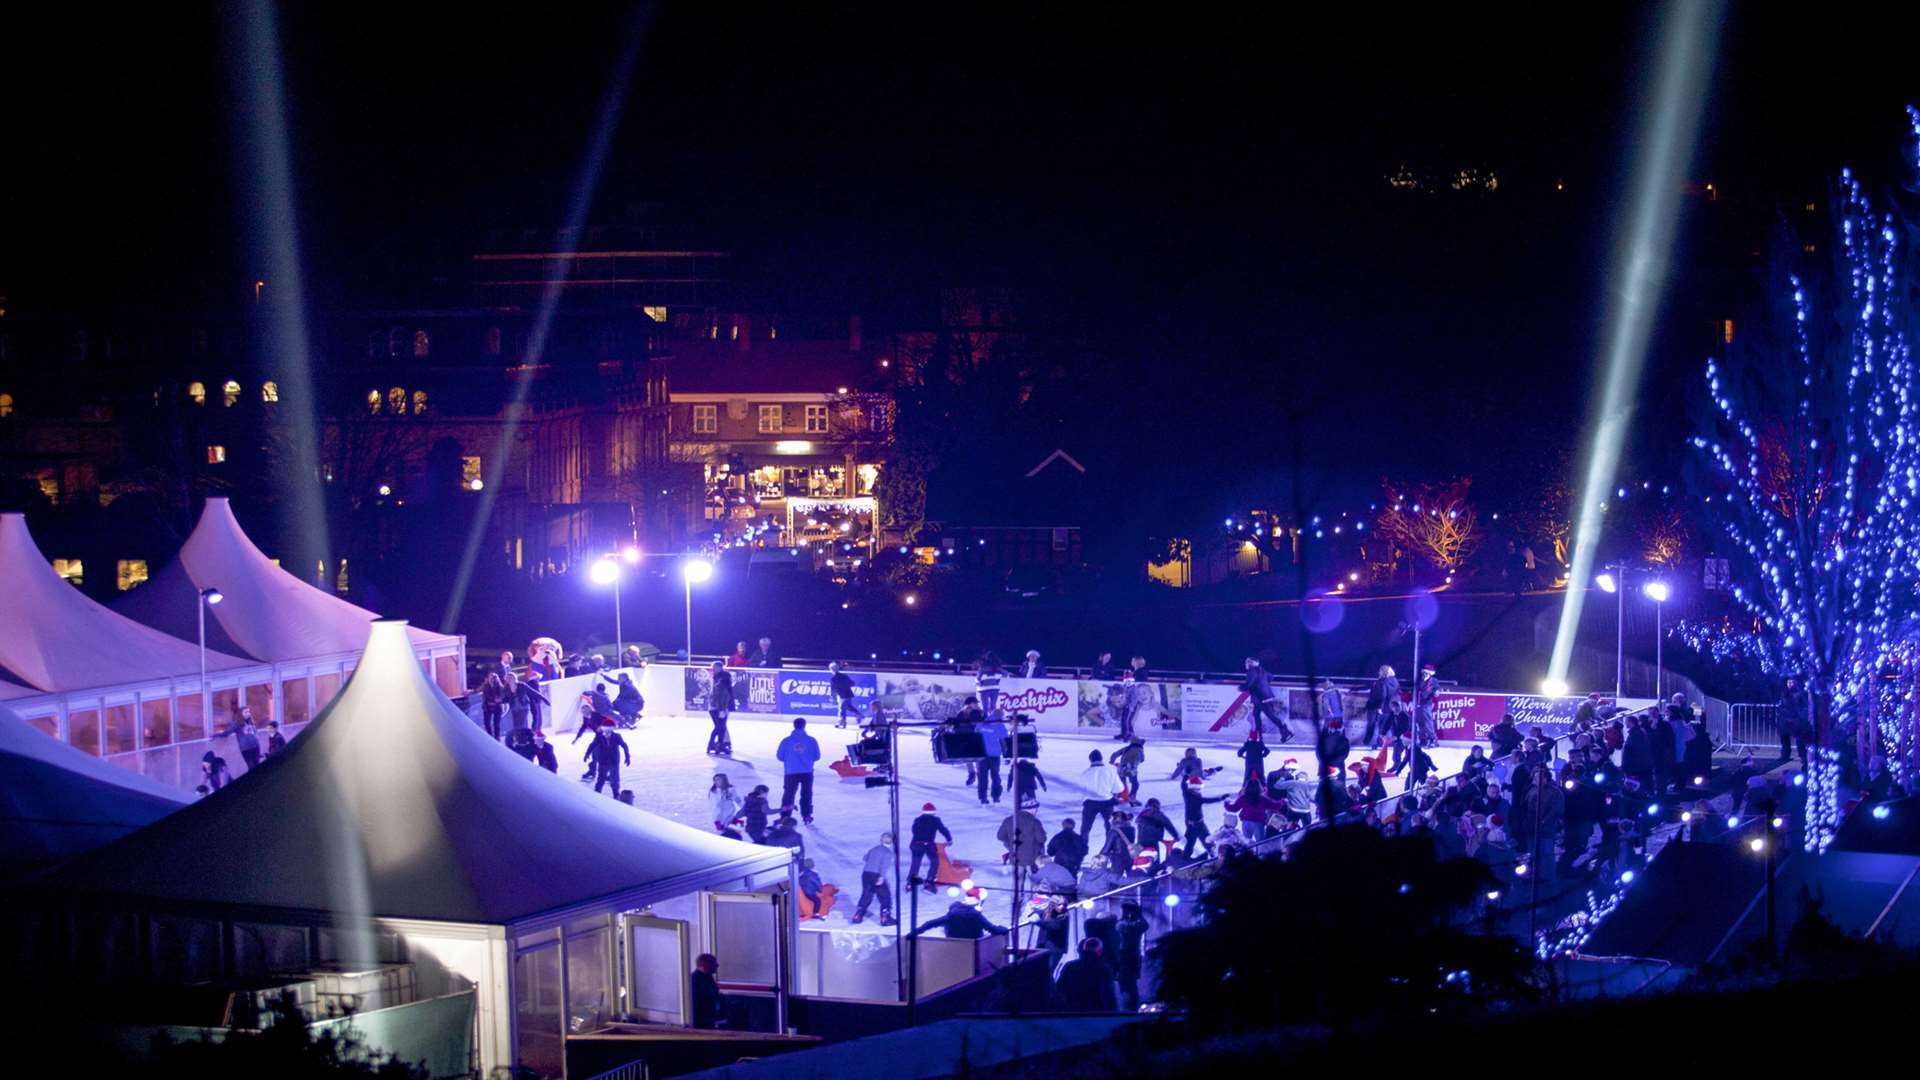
pixel 925 827
pixel 719 704
pixel 1068 848
pixel 1127 761
pixel 608 750
pixel 1196 807
pixel 873 881
pixel 986 682
pixel 1102 782
pixel 725 802
pixel 798 753
pixel 993 736
pixel 842 686
pixel 1024 838
pixel 1258 686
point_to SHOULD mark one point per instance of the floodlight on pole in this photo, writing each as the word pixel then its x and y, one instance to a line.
pixel 693 571
pixel 1607 583
pixel 209 596
pixel 605 571
pixel 1658 592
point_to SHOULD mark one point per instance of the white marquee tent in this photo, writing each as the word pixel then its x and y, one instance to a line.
pixel 56 802
pixel 266 612
pixel 125 683
pixel 393 809
pixel 54 639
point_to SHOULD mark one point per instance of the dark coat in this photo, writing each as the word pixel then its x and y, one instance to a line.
pixel 1086 985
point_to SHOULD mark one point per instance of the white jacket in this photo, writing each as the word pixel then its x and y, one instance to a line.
pixel 1101 781
pixel 726 803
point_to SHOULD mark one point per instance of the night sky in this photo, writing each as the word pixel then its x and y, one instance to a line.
pixel 1215 179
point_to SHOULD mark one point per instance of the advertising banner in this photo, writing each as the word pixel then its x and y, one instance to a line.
pixel 1218 708
pixel 1464 716
pixel 810 693
pixel 754 690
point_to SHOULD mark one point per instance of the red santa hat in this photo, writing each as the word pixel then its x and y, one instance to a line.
pixel 928 808
pixel 1497 820
pixel 1428 666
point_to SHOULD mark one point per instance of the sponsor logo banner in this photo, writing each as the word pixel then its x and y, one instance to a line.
pixel 810 693
pixel 753 690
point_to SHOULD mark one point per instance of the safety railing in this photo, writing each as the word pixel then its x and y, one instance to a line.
pixel 1750 725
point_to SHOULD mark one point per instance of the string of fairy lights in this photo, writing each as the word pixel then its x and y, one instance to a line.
pixel 1820 503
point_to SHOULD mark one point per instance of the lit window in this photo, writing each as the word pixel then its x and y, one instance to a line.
pixel 770 418
pixel 816 419
pixel 656 312
pixel 230 393
pixel 50 487
pixel 70 569
pixel 421 344
pixel 736 332
pixel 6 404
pixel 216 454
pixel 198 392
pixel 706 419
pixel 1726 331
pixel 713 332
pixel 373 402
pixel 397 401
pixel 469 468
pixel 1809 249
pixel 270 391
pixel 877 418
pixel 419 402
pixel 130 572
pixel 340 582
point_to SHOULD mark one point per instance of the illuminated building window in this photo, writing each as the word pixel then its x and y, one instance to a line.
pixel 816 418
pixel 877 418
pixel 656 312
pixel 1809 208
pixel 770 418
pixel 71 569
pixel 706 419
pixel 130 572
pixel 198 392
pixel 736 332
pixel 216 454
pixel 397 401
pixel 340 582
pixel 6 404
pixel 773 333
pixel 713 332
pixel 1726 331
pixel 419 402
pixel 469 468
pixel 421 344
pixel 373 402
pixel 493 341
pixel 229 393
pixel 270 391
pixel 50 487
pixel 1809 249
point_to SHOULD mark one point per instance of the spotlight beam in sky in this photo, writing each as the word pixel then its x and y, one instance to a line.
pixel 612 103
pixel 1688 36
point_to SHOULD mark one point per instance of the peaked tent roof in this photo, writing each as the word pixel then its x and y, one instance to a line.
pixel 53 638
pixel 392 803
pixel 57 802
pixel 11 690
pixel 267 613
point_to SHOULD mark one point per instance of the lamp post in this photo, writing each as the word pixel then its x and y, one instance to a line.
pixel 1657 592
pixel 1608 582
pixel 692 571
pixel 606 571
pixel 209 596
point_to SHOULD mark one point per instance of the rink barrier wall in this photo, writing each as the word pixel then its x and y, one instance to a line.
pixel 1207 711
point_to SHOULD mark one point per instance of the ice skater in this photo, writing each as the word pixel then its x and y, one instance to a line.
pixel 609 750
pixel 1258 686
pixel 1103 786
pixel 925 827
pixel 719 704
pixel 873 881
pixel 725 802
pixel 798 754
pixel 842 686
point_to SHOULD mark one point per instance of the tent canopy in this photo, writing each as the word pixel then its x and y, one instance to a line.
pixel 266 612
pixel 394 804
pixel 57 802
pixel 54 639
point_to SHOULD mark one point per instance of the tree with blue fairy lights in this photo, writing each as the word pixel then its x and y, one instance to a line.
pixel 1814 450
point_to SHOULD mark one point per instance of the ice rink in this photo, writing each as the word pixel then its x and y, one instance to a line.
pixel 671 773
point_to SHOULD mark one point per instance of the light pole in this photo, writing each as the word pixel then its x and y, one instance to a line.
pixel 692 571
pixel 1657 592
pixel 606 571
pixel 209 596
pixel 1608 582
